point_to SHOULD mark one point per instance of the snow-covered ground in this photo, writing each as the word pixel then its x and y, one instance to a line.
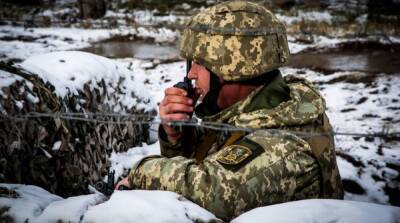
pixel 370 107
pixel 34 204
pixel 322 211
pixel 356 102
pixel 19 43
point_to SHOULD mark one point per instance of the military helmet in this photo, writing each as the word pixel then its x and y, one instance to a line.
pixel 237 40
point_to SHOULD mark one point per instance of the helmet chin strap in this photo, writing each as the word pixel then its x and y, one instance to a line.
pixel 210 100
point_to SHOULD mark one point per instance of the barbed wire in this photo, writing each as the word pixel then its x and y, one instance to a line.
pixel 149 119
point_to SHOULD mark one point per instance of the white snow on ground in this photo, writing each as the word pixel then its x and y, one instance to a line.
pixel 322 211
pixel 30 203
pixel 159 35
pixel 72 34
pixel 147 206
pixel 314 16
pixel 123 162
pixel 319 42
pixel 158 78
pixel 44 40
pixel 37 205
pixel 69 67
pixel 339 96
pixel 7 79
pixel 71 209
pixel 163 76
pixel 79 67
pixel 47 40
pixel 68 71
pixel 146 17
pixel 362 108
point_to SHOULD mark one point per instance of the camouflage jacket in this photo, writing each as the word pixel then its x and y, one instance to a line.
pixel 258 169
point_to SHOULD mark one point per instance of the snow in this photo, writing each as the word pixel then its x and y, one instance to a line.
pixel 31 202
pixel 37 205
pixel 32 98
pixel 44 52
pixel 46 153
pixel 322 211
pixel 44 40
pixel 319 42
pixel 362 19
pixel 314 16
pixel 47 40
pixel 163 76
pixel 72 69
pixel 68 71
pixel 146 17
pixel 159 35
pixel 339 96
pixel 366 113
pixel 56 146
pixel 122 162
pixel 7 79
pixel 148 206
pixel 71 209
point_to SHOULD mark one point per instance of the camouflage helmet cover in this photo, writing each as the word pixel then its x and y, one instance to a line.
pixel 237 40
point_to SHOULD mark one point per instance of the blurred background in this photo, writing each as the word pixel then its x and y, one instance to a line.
pixel 377 22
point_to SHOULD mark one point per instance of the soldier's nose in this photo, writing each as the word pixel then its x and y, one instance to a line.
pixel 191 75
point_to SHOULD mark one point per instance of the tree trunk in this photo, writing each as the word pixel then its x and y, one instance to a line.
pixel 92 9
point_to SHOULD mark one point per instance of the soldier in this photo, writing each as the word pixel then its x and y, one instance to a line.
pixel 236 48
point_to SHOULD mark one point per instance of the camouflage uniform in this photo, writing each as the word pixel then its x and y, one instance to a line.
pixel 242 171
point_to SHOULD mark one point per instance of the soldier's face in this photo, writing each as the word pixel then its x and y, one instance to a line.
pixel 201 77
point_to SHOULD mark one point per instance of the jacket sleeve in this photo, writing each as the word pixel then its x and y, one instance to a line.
pixel 285 170
pixel 184 147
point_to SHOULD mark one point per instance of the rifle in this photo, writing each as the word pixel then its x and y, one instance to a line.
pixel 107 188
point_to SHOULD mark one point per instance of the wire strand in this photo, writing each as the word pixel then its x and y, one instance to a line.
pixel 148 119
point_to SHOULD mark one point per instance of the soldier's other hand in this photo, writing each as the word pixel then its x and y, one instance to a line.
pixel 123 184
pixel 175 106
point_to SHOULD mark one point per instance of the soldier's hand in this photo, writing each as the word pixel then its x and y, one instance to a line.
pixel 175 106
pixel 124 183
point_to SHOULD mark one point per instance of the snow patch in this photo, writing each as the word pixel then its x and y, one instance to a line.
pixel 147 206
pixel 68 71
pixel 322 211
pixel 122 162
pixel 47 40
pixel 56 146
pixel 314 16
pixel 7 79
pixel 31 202
pixel 71 209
